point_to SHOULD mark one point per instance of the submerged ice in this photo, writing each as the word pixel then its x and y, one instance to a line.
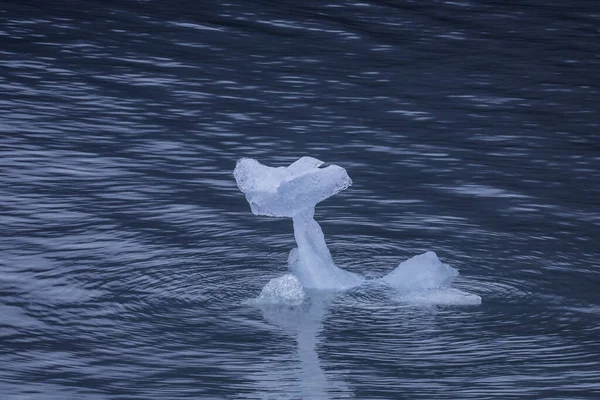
pixel 293 192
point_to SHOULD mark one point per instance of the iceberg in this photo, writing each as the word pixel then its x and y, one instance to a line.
pixel 293 192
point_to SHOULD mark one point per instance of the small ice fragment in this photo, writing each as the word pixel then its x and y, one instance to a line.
pixel 424 271
pixel 284 290
pixel 441 296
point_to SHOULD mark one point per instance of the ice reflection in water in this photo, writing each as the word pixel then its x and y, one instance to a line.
pixel 304 323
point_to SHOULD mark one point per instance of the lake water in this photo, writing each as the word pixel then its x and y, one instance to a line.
pixel 127 252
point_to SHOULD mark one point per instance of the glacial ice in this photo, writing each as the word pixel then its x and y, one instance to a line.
pixel 425 280
pixel 286 191
pixel 293 192
pixel 284 290
pixel 424 271
pixel 442 296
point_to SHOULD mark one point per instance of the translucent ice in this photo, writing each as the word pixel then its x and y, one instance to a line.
pixel 425 280
pixel 286 191
pixel 293 192
pixel 424 271
pixel 440 296
pixel 284 290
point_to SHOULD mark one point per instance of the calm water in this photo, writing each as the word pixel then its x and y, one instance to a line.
pixel 470 128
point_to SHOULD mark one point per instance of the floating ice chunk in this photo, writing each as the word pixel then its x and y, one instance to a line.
pixel 424 271
pixel 425 280
pixel 284 290
pixel 441 296
pixel 293 192
pixel 285 191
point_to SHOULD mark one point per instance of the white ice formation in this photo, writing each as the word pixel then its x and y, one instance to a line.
pixel 424 279
pixel 287 191
pixel 424 271
pixel 293 192
pixel 285 290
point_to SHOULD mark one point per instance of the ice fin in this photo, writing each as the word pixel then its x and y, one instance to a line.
pixel 424 271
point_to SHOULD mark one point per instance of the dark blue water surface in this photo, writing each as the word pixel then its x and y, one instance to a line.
pixel 470 128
